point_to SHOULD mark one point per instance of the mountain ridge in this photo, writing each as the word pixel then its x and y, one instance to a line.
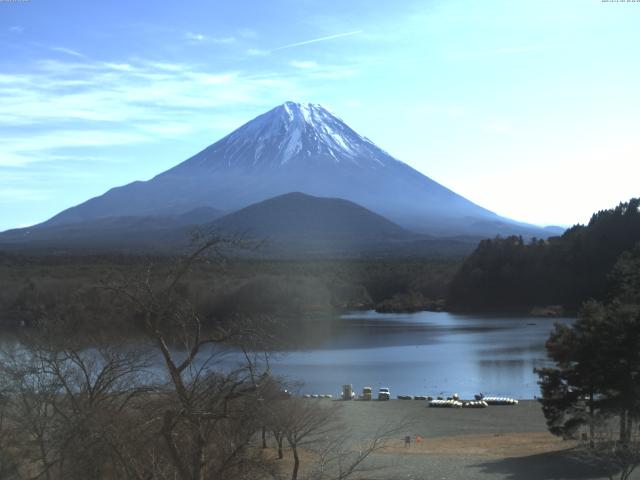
pixel 294 225
pixel 299 148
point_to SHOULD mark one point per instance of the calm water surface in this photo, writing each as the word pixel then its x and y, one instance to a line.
pixel 425 353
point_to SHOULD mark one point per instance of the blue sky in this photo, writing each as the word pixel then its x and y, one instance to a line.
pixel 529 108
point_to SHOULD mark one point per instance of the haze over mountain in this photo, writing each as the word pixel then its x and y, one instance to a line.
pixel 299 148
pixel 293 225
pixel 122 233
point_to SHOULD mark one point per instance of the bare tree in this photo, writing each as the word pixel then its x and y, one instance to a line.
pixel 208 420
pixel 79 404
pixel 342 457
pixel 318 430
pixel 276 416
pixel 8 464
pixel 305 423
pixel 30 414
pixel 63 403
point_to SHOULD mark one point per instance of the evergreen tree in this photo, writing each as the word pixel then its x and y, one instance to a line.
pixel 597 360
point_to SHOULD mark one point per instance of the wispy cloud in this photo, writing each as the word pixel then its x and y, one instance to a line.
pixel 22 150
pixel 194 36
pixel 16 29
pixel 256 52
pixel 10 195
pixel 223 40
pixel 304 64
pixel 170 67
pixel 199 37
pixel 63 106
pixel 68 51
pixel 319 39
pixel 263 52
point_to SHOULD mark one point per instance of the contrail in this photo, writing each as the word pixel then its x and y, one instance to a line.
pixel 321 39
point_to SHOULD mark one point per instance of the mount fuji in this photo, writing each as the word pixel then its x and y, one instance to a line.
pixel 296 148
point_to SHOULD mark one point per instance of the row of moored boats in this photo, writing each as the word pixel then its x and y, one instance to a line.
pixel 479 402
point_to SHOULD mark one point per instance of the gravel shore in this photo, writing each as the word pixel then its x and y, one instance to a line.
pixel 498 442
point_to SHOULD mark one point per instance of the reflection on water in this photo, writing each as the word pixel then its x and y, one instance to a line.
pixel 422 353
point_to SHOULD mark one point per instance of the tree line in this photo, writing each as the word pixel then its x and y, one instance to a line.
pixel 283 289
pixel 509 273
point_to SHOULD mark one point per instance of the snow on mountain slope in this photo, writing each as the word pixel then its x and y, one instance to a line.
pixel 292 133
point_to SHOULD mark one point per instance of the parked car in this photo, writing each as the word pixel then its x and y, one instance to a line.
pixel 366 393
pixel 347 392
pixel 384 394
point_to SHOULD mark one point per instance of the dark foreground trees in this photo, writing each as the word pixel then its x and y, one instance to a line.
pixel 594 390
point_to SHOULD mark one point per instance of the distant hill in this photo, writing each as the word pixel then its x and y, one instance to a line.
pixel 130 233
pixel 293 225
pixel 299 225
pixel 566 270
pixel 299 148
pixel 296 216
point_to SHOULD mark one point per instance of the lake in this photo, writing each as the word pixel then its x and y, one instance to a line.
pixel 425 353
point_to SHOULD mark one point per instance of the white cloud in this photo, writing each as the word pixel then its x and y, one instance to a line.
pixel 171 67
pixel 304 64
pixel 13 159
pixel 199 37
pixel 125 67
pixel 16 29
pixel 194 36
pixel 256 52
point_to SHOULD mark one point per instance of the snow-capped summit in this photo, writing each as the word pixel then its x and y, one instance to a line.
pixel 292 133
pixel 299 147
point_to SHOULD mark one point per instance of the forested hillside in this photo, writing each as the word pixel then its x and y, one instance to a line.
pixel 508 272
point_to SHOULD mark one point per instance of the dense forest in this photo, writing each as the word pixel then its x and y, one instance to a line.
pixel 284 289
pixel 509 273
